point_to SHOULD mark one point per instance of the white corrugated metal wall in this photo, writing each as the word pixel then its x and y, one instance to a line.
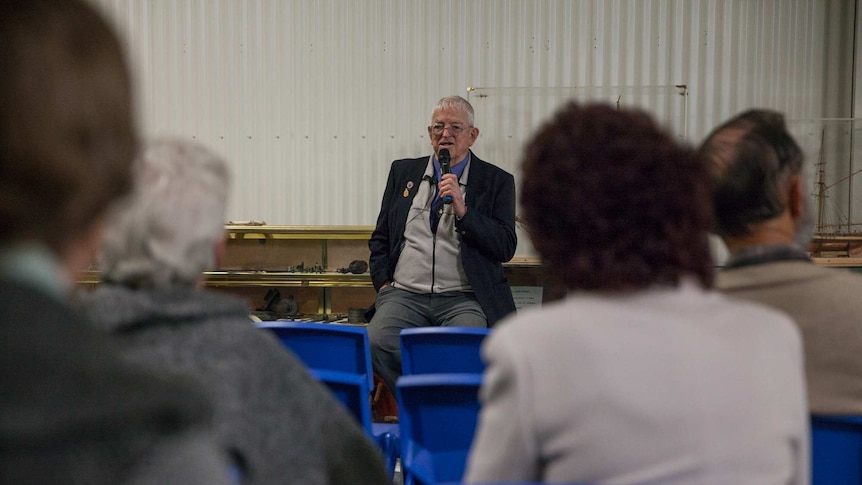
pixel 311 100
pixel 857 64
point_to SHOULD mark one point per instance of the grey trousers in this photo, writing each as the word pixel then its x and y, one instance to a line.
pixel 397 309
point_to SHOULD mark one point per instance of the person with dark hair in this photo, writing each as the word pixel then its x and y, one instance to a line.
pixel 70 410
pixel 279 424
pixel 765 218
pixel 642 373
pixel 445 228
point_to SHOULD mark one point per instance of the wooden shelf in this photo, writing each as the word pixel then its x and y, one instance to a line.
pixel 260 257
pixel 842 262
pixel 299 232
pixel 277 278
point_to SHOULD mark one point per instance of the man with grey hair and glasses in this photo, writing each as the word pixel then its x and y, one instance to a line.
pixel 763 215
pixel 446 225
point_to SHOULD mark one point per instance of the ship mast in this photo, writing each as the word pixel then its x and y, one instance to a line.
pixel 821 186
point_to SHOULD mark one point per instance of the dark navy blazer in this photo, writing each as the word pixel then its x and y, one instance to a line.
pixel 487 230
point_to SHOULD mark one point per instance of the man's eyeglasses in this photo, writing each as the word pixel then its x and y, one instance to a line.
pixel 454 129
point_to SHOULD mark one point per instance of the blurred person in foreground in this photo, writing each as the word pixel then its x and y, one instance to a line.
pixel 278 423
pixel 764 216
pixel 71 411
pixel 435 263
pixel 641 374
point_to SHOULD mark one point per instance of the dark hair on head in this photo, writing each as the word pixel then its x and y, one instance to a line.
pixel 66 126
pixel 612 202
pixel 752 158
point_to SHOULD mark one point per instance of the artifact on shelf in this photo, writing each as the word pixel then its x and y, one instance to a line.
pixel 301 268
pixel 355 267
pixel 247 223
pixel 837 230
pixel 275 307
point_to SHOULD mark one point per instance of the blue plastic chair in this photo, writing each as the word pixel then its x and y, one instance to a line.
pixel 836 450
pixel 340 357
pixel 438 415
pixel 438 350
pixel 326 346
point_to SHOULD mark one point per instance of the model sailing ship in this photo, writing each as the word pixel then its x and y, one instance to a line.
pixel 836 234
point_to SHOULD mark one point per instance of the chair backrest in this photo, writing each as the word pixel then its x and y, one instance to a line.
pixel 326 346
pixel 352 391
pixel 337 355
pixel 438 415
pixel 836 450
pixel 340 357
pixel 437 350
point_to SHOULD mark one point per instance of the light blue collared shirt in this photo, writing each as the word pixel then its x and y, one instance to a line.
pixel 35 265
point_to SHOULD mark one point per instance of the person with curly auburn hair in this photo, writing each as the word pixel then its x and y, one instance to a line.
pixel 766 219
pixel 637 208
pixel 642 373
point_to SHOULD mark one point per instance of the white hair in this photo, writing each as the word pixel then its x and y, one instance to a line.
pixel 166 231
pixel 454 102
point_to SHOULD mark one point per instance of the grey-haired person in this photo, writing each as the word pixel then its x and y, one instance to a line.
pixel 278 424
pixel 439 263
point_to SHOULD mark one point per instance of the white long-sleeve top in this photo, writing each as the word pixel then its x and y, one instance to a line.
pixel 671 386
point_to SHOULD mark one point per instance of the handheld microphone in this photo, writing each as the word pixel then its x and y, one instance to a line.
pixel 444 158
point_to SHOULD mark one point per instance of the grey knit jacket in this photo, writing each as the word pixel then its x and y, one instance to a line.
pixel 281 424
